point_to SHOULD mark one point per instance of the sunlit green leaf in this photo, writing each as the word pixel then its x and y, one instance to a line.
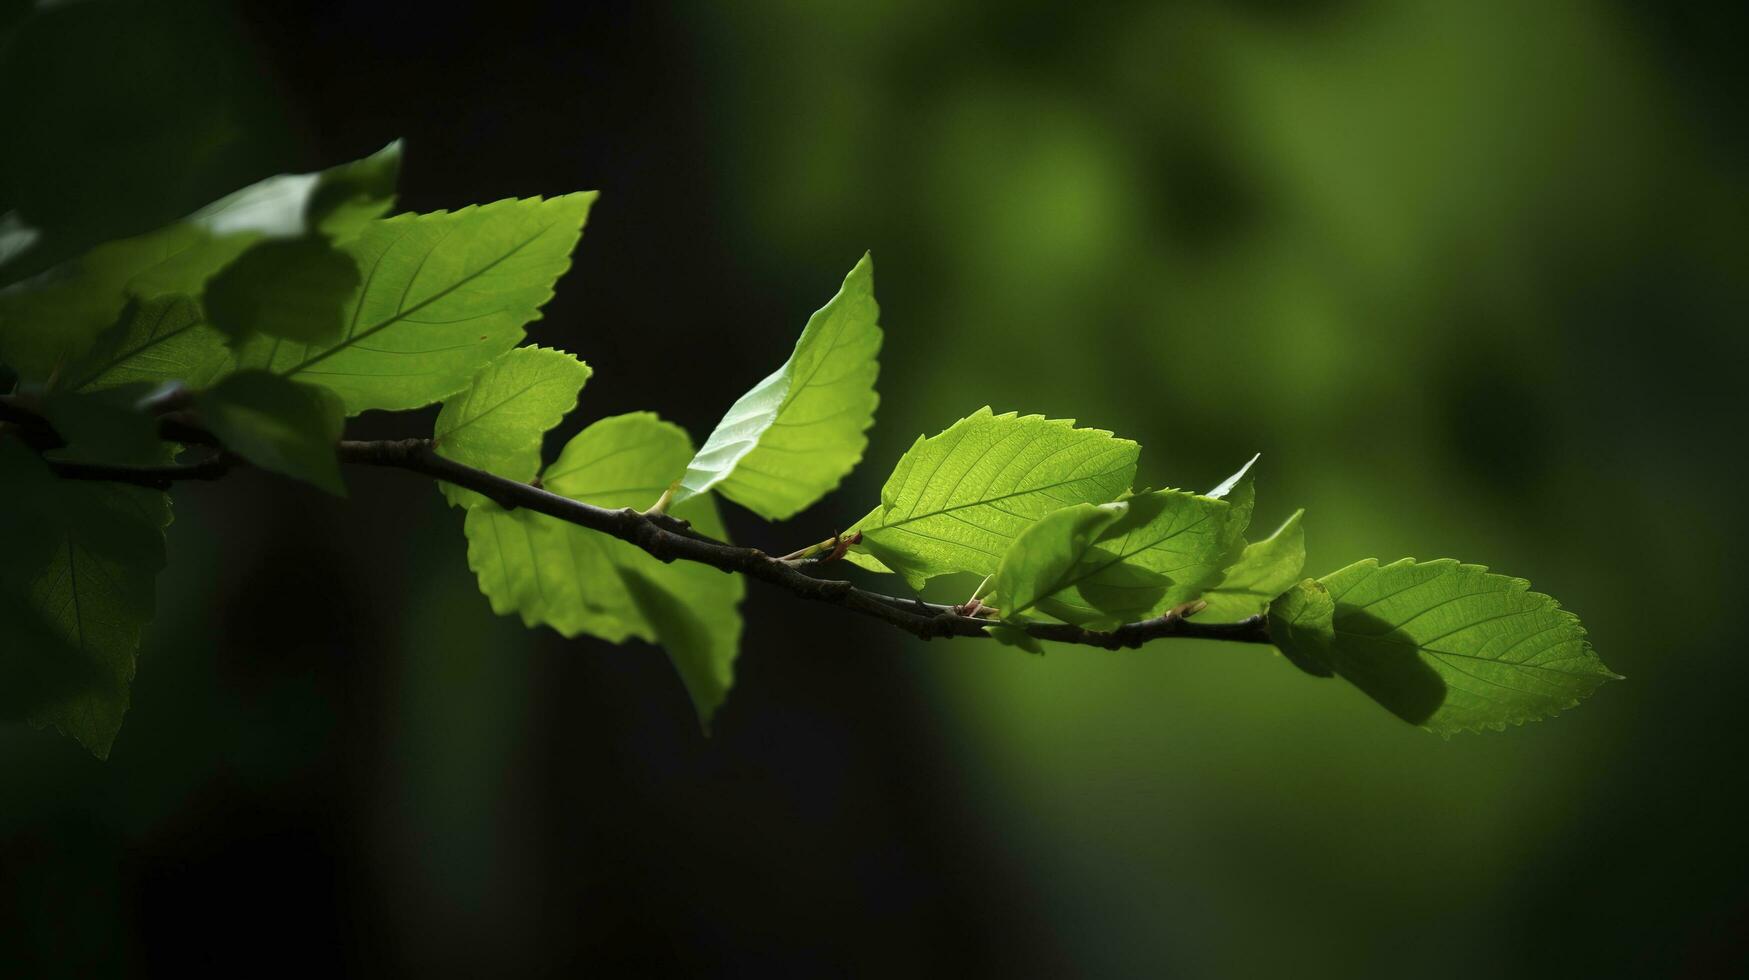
pixel 278 425
pixel 958 499
pixel 497 421
pixel 53 318
pixel 443 294
pixel 1455 648
pixel 794 437
pixel 157 340
pixel 1236 482
pixel 1100 566
pixel 337 202
pixel 1264 570
pixel 579 581
pixel 295 288
pixel 1058 568
pixel 1185 537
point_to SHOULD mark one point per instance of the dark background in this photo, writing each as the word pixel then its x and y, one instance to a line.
pixel 1469 275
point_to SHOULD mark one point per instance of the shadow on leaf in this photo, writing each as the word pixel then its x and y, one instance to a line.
pixel 1386 663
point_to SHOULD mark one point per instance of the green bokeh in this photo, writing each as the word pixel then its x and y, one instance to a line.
pixel 1464 274
pixel 1468 275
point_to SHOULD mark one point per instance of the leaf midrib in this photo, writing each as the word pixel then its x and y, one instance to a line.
pixel 991 500
pixel 403 313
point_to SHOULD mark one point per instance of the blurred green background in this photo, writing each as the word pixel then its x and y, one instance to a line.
pixel 1469 275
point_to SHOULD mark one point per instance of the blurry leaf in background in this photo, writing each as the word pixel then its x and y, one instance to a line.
pixel 1411 251
pixel 1455 648
pixel 496 423
pixel 56 315
pixel 581 581
pixel 121 115
pixel 798 433
pixel 957 500
pixel 82 559
pixel 153 341
pixel 1265 569
pixel 1470 273
pixel 278 425
pixel 444 293
pixel 296 289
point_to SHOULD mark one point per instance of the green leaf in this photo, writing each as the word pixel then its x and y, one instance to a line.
pixel 1103 566
pixel 52 318
pixel 337 202
pixel 497 421
pixel 154 341
pixel 278 425
pixel 443 294
pixel 798 433
pixel 580 581
pixel 295 288
pixel 81 561
pixel 1300 624
pixel 957 500
pixel 1187 538
pixel 1236 481
pixel 38 668
pixel 1455 648
pixel 1265 569
pixel 1239 490
pixel 1058 568
pixel 122 116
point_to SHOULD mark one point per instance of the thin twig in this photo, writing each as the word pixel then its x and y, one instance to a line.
pixel 662 536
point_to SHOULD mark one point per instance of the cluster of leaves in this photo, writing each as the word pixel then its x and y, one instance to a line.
pixel 1045 511
pixel 269 316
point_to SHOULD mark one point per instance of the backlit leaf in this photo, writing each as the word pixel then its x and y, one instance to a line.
pixel 443 294
pixel 1056 569
pixel 52 318
pixel 1102 566
pixel 1455 648
pixel 336 202
pixel 497 421
pixel 579 581
pixel 296 289
pixel 1264 570
pixel 957 500
pixel 156 340
pixel 794 437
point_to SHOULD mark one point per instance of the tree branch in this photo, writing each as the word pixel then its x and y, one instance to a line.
pixel 662 536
